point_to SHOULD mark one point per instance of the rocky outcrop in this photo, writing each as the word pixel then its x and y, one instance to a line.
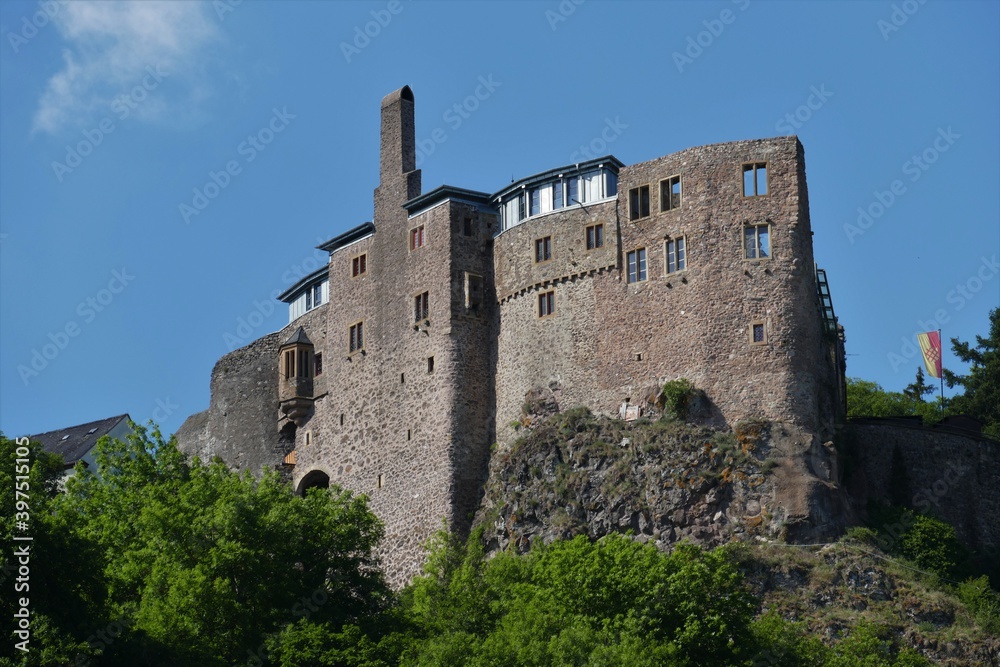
pixel 663 480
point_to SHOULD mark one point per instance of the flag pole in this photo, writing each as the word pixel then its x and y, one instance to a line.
pixel 941 343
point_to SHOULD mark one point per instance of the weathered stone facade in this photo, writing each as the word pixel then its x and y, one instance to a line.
pixel 948 472
pixel 408 413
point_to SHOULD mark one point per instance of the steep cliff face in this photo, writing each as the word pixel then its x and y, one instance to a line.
pixel 665 481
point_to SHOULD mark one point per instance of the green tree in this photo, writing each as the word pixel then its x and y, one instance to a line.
pixel 919 388
pixel 981 397
pixel 64 582
pixel 203 566
pixel 869 399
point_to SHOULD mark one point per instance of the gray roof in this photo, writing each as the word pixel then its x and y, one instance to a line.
pixel 74 442
pixel 298 337
pixel 348 237
pixel 578 168
pixel 298 288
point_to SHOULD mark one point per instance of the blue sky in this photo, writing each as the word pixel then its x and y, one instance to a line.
pixel 115 117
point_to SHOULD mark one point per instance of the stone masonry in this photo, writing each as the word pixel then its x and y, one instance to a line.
pixel 409 417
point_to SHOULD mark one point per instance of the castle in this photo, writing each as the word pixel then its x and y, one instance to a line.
pixel 412 353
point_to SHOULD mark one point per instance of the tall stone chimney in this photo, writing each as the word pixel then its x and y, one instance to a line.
pixel 399 179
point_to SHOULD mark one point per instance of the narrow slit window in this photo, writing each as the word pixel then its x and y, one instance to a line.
pixel 430 364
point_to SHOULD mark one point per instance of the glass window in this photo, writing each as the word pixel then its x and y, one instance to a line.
pixel 676 259
pixel 756 242
pixel 557 195
pixel 637 265
pixel 754 179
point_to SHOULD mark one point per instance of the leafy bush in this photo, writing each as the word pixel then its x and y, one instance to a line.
pixel 675 398
pixel 982 601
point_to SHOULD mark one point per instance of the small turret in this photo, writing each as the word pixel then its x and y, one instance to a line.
pixel 295 376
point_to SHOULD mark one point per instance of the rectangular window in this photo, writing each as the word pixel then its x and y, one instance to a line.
pixel 309 299
pixel 574 191
pixel 317 291
pixel 546 304
pixel 638 206
pixel 557 195
pixel 758 334
pixel 510 211
pixel 417 238
pixel 430 364
pixel 359 265
pixel 754 179
pixel 473 293
pixel 670 193
pixel 676 255
pixel 592 186
pixel 467 226
pixel 305 370
pixel 637 265
pixel 611 185
pixel 756 242
pixel 420 307
pixel 543 249
pixel 536 202
pixel 595 237
pixel 290 364
pixel 319 363
pixel 357 337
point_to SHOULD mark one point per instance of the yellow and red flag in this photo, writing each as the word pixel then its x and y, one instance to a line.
pixel 930 345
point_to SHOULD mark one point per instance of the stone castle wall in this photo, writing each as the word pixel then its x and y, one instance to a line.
pixel 416 438
pixel 946 472
pixel 609 341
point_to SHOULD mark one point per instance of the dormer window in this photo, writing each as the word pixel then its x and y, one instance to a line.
pixel 577 185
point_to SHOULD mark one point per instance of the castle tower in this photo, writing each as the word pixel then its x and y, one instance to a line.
pixel 407 412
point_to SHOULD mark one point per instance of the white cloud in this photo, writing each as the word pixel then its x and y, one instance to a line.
pixel 110 45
